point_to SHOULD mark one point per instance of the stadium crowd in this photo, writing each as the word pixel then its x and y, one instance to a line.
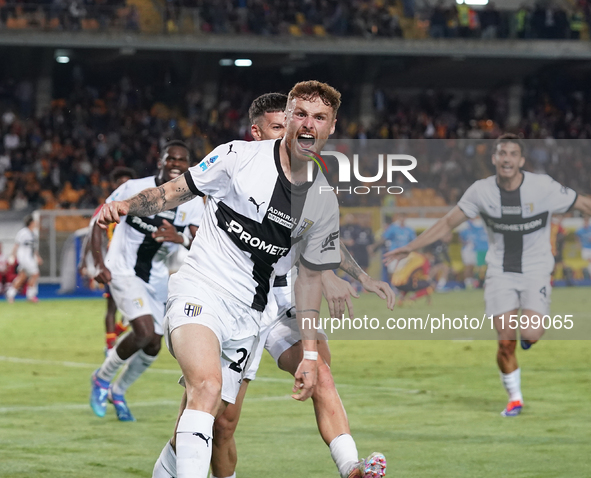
pixel 62 157
pixel 380 18
pixel 69 15
pixel 364 18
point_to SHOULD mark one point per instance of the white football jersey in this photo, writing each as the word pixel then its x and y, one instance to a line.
pixel 133 251
pixel 253 215
pixel 27 245
pixel 518 222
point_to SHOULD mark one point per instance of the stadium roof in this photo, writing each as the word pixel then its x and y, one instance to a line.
pixel 534 49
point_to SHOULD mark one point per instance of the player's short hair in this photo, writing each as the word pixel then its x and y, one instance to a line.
pixel 121 172
pixel 175 142
pixel 267 103
pixel 312 89
pixel 510 138
pixel 28 219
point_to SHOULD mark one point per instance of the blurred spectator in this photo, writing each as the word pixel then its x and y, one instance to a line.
pixel 490 21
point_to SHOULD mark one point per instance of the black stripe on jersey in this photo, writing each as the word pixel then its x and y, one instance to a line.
pixel 191 184
pixel 514 227
pixel 145 254
pixel 266 241
pixel 149 247
pixel 513 242
pixel 280 281
pixel 298 193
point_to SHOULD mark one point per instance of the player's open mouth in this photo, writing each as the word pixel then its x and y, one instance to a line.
pixel 507 168
pixel 175 173
pixel 306 140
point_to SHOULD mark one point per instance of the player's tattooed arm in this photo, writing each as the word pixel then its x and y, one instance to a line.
pixel 148 202
pixel 349 265
pixel 154 200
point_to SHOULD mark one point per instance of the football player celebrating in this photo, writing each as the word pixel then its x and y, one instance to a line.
pixel 516 207
pixel 280 337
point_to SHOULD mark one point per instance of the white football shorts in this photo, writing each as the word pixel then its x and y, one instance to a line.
pixel 193 299
pixel 28 264
pixel 510 290
pixel 136 298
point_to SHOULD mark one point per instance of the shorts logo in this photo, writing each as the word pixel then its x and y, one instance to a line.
pixel 191 310
pixel 139 303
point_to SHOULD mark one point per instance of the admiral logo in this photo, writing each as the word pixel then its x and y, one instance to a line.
pixel 139 303
pixel 281 218
pixel 207 162
pixel 511 210
pixel 192 310
pixel 329 243
pixel 255 242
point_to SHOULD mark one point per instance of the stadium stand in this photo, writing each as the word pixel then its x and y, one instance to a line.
pixel 368 19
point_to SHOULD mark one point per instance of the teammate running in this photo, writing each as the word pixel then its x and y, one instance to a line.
pixel 135 270
pixel 213 317
pixel 94 239
pixel 26 254
pixel 516 207
pixel 279 337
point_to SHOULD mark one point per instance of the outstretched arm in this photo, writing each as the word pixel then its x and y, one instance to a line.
pixel 350 266
pixel 148 202
pixel 440 229
pixel 583 204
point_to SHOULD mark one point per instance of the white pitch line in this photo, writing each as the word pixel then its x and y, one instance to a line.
pixel 85 406
pixel 376 388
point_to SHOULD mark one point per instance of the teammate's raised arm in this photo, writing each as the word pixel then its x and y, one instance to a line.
pixel 148 202
pixel 440 229
pixel 583 204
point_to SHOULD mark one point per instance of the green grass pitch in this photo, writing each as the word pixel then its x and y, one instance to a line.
pixel 431 406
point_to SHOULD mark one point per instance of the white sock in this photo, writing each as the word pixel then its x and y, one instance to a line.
pixel 136 365
pixel 32 292
pixel 10 293
pixel 193 444
pixel 165 466
pixel 344 453
pixel 233 475
pixel 110 366
pixel 512 383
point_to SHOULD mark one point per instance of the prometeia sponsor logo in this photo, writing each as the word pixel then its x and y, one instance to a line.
pixel 255 242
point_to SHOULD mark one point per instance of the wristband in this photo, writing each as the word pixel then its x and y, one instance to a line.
pixel 186 240
pixel 310 355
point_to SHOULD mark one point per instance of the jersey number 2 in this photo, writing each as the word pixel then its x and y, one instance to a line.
pixel 237 366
